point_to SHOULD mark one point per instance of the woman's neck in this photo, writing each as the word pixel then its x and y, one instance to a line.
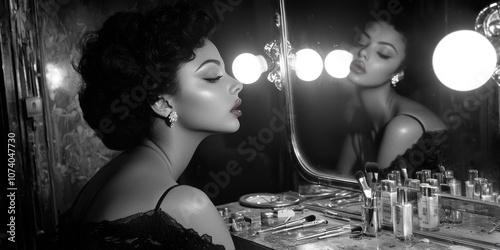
pixel 177 146
pixel 379 103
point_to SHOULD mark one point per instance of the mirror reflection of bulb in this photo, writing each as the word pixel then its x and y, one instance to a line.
pixel 464 60
pixel 308 65
pixel 247 67
pixel 337 63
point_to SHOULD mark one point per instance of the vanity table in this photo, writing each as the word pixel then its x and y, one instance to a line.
pixel 471 234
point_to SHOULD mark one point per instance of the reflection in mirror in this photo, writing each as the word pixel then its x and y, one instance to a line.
pixel 340 124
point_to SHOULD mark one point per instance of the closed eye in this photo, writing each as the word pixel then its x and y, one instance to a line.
pixel 383 56
pixel 213 80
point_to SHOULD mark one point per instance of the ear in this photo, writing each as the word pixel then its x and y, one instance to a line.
pixel 162 106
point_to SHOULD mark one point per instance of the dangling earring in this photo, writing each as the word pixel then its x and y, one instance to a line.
pixel 394 80
pixel 172 118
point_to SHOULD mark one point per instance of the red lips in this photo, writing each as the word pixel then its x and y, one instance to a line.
pixel 358 67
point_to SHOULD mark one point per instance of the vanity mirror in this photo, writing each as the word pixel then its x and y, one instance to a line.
pixel 321 110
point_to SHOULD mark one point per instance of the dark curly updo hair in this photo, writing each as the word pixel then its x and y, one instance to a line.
pixel 130 61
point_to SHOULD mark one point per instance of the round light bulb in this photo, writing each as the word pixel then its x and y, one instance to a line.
pixel 247 68
pixel 464 60
pixel 308 65
pixel 337 63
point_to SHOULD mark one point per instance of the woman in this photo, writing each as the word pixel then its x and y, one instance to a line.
pixel 154 86
pixel 395 126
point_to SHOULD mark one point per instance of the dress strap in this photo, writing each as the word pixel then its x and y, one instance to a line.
pixel 163 196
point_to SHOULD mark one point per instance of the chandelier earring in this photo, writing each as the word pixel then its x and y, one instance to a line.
pixel 171 119
pixel 396 78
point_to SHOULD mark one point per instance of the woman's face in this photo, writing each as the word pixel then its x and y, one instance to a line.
pixel 379 56
pixel 208 98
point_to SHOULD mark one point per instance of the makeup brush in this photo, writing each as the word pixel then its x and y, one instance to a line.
pixel 290 223
pixel 330 230
pixel 372 170
pixel 404 170
pixel 355 229
pixel 301 226
pixel 367 191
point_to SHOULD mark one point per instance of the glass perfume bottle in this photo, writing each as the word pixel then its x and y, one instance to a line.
pixel 388 197
pixel 403 216
pixel 469 185
pixel 428 208
pixel 455 189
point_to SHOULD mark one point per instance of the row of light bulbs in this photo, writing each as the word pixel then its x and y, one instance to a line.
pixel 307 64
pixel 463 60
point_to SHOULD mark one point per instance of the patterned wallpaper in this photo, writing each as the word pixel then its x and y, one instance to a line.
pixel 78 153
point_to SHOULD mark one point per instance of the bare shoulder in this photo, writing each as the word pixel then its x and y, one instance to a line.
pixel 134 186
pixel 428 118
pixel 186 204
pixel 192 208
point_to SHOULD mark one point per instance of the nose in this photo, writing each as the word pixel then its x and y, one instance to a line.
pixel 362 53
pixel 235 86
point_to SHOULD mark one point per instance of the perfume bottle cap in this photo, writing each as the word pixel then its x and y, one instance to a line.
pixel 397 174
pixel 478 186
pixel 473 174
pixel 455 187
pixel 427 173
pixel 420 176
pixel 448 174
pixel 389 185
pixel 413 183
pixel 402 196
pixel 439 177
pixel 433 182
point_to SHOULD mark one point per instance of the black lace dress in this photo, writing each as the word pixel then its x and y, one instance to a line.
pixel 153 229
pixel 430 151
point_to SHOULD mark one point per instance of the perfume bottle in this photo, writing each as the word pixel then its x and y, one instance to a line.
pixel 427 173
pixel 403 216
pixel 469 185
pixel 448 175
pixel 412 196
pixel 478 187
pixel 455 189
pixel 428 208
pixel 435 184
pixel 397 176
pixel 388 197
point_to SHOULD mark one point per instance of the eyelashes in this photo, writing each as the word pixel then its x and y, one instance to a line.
pixel 383 56
pixel 213 80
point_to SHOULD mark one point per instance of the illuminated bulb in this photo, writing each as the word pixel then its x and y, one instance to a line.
pixel 464 60
pixel 308 65
pixel 54 76
pixel 337 63
pixel 247 68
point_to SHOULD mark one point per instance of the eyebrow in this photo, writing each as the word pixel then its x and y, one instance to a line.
pixel 389 44
pixel 384 43
pixel 209 61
